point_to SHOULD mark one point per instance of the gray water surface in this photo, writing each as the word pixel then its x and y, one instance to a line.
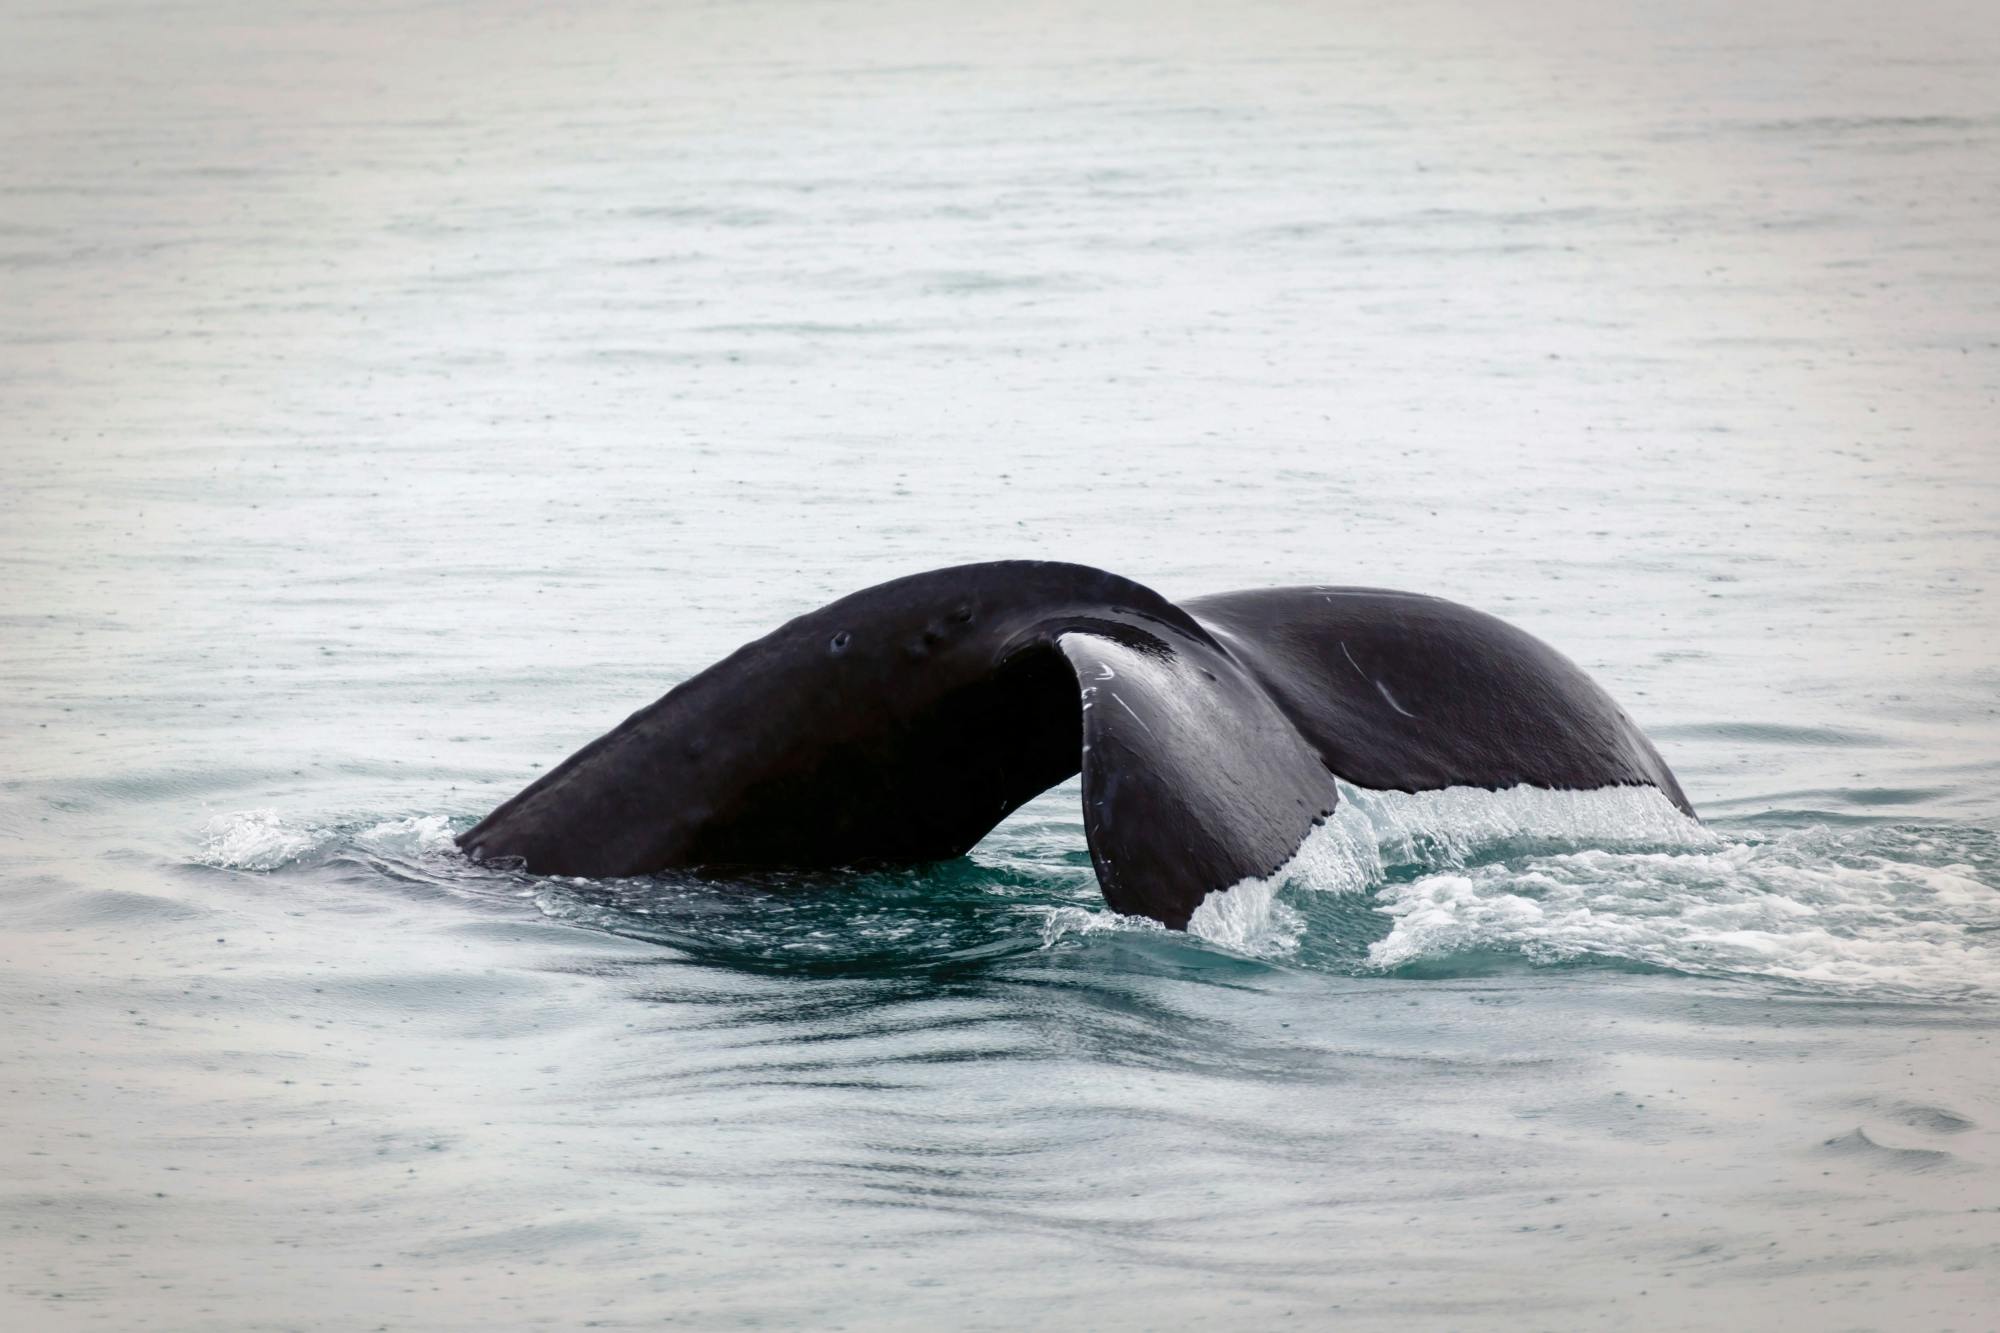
pixel 397 396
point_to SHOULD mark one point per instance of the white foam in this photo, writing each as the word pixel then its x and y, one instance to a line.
pixel 1342 855
pixel 268 840
pixel 1250 919
pixel 419 837
pixel 1370 831
pixel 1062 923
pixel 1619 872
pixel 1800 908
pixel 257 840
pixel 1445 827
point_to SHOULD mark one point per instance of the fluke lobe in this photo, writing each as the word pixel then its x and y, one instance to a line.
pixel 903 722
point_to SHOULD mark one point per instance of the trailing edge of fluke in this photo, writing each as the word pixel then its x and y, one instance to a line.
pixel 902 722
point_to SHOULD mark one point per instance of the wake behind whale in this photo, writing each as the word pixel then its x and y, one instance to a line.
pixel 905 721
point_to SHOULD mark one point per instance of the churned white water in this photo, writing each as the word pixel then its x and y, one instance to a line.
pixel 1372 832
pixel 394 397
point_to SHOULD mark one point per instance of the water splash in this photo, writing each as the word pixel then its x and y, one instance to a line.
pixel 1832 911
pixel 258 840
pixel 1371 833
pixel 1058 925
pixel 1430 884
pixel 1439 828
pixel 266 840
pixel 419 837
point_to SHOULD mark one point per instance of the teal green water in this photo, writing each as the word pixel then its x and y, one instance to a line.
pixel 398 397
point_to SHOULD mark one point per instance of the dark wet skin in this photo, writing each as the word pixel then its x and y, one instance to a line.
pixel 902 722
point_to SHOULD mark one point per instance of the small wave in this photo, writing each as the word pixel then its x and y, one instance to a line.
pixel 1858 1144
pixel 1060 924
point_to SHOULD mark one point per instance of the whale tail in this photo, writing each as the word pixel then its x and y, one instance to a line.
pixel 903 722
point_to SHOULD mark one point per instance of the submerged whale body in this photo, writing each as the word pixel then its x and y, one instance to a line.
pixel 903 722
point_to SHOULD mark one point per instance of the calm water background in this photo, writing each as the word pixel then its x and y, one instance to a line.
pixel 396 397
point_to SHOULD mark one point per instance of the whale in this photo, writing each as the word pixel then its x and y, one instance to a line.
pixel 903 722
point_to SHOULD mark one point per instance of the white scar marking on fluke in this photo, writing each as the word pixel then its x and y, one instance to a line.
pixel 1382 689
pixel 1392 700
pixel 1105 672
pixel 1128 708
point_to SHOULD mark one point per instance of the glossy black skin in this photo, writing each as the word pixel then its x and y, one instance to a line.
pixel 903 722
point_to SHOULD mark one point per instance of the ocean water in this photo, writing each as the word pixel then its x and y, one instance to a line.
pixel 393 397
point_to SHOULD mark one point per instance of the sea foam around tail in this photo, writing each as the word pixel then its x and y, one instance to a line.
pixel 1426 884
